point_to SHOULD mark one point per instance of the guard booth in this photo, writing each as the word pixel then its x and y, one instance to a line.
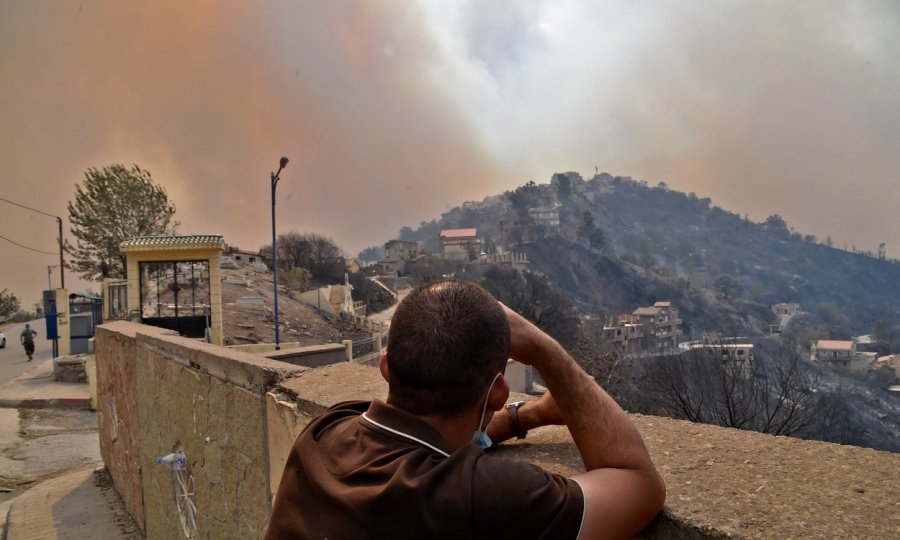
pixel 85 313
pixel 174 283
pixel 71 320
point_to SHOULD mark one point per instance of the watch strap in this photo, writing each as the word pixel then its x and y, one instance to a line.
pixel 513 411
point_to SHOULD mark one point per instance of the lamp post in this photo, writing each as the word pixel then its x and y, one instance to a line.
pixel 275 177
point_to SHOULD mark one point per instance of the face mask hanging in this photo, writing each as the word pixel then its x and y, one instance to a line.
pixel 480 438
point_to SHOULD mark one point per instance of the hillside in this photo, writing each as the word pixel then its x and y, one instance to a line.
pixel 255 323
pixel 643 244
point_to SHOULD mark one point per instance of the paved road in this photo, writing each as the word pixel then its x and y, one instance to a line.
pixel 12 358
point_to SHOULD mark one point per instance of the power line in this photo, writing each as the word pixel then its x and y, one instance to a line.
pixel 62 263
pixel 26 247
pixel 28 208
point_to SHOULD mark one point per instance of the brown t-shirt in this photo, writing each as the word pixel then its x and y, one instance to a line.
pixel 364 470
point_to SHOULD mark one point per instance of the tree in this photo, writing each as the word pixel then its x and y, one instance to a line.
pixel 113 204
pixel 774 394
pixel 589 231
pixel 834 320
pixel 9 303
pixel 430 268
pixel 294 280
pixel 319 255
pixel 371 254
pixel 728 286
pixel 532 296
pixel 602 361
pixel 563 186
pixel 777 225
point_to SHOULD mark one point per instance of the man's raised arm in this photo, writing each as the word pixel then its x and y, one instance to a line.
pixel 622 489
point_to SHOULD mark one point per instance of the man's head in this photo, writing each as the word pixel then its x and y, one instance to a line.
pixel 27 326
pixel 447 341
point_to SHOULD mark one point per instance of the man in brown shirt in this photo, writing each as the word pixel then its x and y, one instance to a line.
pixel 415 467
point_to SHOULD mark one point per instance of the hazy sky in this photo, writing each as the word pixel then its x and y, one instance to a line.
pixel 391 112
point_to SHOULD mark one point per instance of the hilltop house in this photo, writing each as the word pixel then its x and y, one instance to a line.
pixel 460 245
pixel 515 259
pixel 661 325
pixel 546 217
pixel 397 255
pixel 626 333
pixel 842 355
pixel 234 257
pixel 647 328
pixel 740 354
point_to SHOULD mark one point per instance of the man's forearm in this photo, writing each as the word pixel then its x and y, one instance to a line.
pixel 603 433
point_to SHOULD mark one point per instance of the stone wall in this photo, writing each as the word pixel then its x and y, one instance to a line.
pixel 117 408
pixel 160 393
pixel 236 416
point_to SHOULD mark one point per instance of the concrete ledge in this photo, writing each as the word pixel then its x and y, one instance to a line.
pixel 131 329
pixel 311 356
pixel 722 483
pixel 317 389
pixel 251 372
pixel 264 347
pixel 732 483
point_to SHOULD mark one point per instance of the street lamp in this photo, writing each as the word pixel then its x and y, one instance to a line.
pixel 275 177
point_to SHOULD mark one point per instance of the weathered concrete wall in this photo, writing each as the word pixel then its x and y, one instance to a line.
pixel 206 400
pixel 117 408
pixel 237 415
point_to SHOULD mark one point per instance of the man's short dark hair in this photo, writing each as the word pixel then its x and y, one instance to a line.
pixel 447 341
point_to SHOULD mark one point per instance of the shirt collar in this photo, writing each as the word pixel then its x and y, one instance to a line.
pixel 400 423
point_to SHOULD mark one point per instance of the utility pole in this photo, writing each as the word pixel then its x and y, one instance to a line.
pixel 62 264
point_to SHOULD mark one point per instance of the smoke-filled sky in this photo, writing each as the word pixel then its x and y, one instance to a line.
pixel 391 112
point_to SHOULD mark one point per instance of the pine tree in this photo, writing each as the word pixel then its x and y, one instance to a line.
pixel 114 204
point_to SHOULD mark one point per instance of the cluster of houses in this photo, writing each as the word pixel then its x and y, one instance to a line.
pixel 457 245
pixel 655 327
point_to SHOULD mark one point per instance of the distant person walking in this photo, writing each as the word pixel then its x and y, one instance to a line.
pixel 27 339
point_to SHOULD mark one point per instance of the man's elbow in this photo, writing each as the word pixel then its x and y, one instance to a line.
pixel 658 491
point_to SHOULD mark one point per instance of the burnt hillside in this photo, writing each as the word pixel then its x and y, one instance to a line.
pixel 643 244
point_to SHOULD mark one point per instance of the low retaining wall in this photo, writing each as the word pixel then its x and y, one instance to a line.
pixel 236 416
pixel 159 393
pixel 311 356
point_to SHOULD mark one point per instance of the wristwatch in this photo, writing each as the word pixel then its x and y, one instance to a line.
pixel 513 410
